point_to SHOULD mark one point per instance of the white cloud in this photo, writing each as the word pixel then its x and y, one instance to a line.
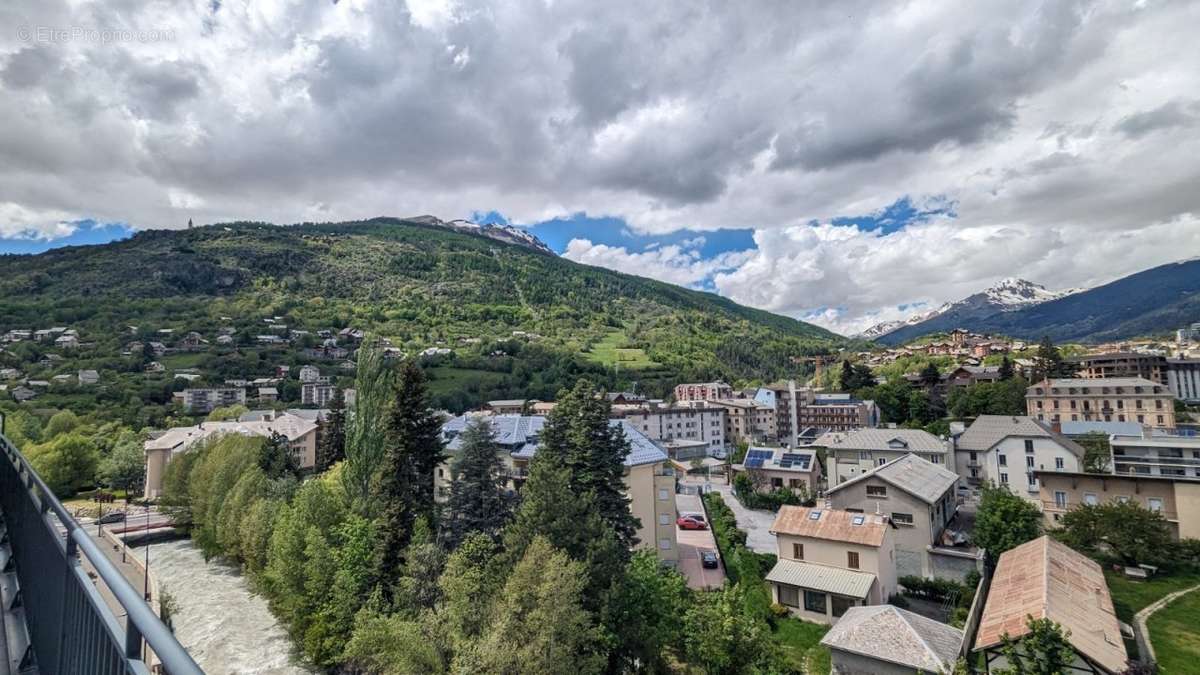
pixel 679 264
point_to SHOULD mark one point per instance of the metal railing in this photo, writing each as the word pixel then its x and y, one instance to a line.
pixel 71 628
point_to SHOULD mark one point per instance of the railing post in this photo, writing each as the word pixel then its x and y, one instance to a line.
pixel 133 641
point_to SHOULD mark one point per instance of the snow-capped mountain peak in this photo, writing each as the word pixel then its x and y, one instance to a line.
pixel 1014 292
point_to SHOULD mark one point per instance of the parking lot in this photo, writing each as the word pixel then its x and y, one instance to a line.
pixel 691 543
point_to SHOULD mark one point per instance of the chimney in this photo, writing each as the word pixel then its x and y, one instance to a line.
pixel 1056 427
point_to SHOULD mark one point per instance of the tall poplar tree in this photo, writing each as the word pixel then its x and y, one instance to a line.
pixel 366 434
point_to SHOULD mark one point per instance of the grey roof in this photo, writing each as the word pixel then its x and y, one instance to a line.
pixel 826 578
pixel 520 432
pixel 988 430
pixel 895 635
pixel 1089 383
pixel 1107 428
pixel 921 478
pixel 896 440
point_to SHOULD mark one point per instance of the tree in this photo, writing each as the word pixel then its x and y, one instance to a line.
pixel 645 613
pixel 125 466
pixel 1006 368
pixel 417 588
pixel 479 501
pixel 725 639
pixel 539 624
pixel 1004 521
pixel 579 437
pixel 1043 650
pixel 1097 452
pixel 930 375
pixel 366 433
pixel 1134 533
pixel 276 457
pixel 67 462
pixel 231 412
pixel 1049 363
pixel 62 422
pixel 413 451
pixel 470 581
pixel 331 434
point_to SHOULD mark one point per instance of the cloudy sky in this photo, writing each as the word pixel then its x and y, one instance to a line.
pixel 841 162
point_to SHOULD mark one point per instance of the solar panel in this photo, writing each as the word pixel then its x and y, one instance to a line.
pixel 857 520
pixel 798 460
pixel 756 458
pixel 814 515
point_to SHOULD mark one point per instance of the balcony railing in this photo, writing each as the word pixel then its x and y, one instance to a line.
pixel 71 627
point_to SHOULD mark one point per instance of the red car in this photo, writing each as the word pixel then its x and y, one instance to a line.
pixel 690 523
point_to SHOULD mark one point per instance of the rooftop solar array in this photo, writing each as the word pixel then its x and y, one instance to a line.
pixel 756 458
pixel 790 460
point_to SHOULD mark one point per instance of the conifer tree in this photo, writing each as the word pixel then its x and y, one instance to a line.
pixel 332 433
pixel 1006 368
pixel 479 500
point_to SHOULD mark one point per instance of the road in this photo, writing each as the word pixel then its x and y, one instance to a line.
pixel 691 543
pixel 757 524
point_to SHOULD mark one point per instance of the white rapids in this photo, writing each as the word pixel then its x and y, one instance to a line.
pixel 226 628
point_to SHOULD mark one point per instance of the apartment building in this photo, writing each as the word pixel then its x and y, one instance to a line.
pixel 206 400
pixel 702 391
pixel 1176 498
pixel 917 496
pixel 301 434
pixel 319 394
pixel 837 412
pixel 1155 453
pixel 796 469
pixel 1045 579
pixel 1183 379
pixel 853 453
pixel 1010 451
pixel 830 561
pixel 1116 399
pixel 747 420
pixel 705 424
pixel 649 478
pixel 1151 367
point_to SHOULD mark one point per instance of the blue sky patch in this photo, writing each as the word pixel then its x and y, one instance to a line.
pixel 897 215
pixel 86 232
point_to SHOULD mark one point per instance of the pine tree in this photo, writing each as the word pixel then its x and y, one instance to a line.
pixel 332 433
pixel 479 501
pixel 847 379
pixel 930 376
pixel 413 452
pixel 1006 368
pixel 579 437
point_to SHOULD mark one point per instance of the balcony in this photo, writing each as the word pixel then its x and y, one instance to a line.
pixel 55 617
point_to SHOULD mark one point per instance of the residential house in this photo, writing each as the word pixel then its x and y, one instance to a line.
pixel 21 394
pixel 206 400
pixel 66 341
pixel 1009 450
pixel 154 367
pixel 746 420
pixel 1115 399
pixel 850 454
pixel 88 377
pixel 704 391
pixel 1176 498
pixel 887 640
pixel 671 423
pixel 514 406
pixel 837 412
pixel 921 501
pixel 192 342
pixel 309 373
pixel 649 478
pixel 831 560
pixel 796 469
pixel 301 434
pixel 268 394
pixel 1046 579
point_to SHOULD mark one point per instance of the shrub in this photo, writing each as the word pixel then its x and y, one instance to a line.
pixel 778 611
pixel 897 600
pixel 937 590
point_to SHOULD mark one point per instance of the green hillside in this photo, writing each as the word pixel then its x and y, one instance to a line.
pixel 418 285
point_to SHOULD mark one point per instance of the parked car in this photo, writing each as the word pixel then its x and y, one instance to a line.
pixel 691 523
pixel 112 517
pixel 697 516
pixel 708 558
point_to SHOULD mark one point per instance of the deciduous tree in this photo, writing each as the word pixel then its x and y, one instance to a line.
pixel 1004 521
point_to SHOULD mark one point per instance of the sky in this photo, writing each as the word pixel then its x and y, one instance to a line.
pixel 842 163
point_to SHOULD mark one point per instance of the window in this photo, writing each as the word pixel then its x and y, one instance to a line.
pixel 901 519
pixel 789 596
pixel 1154 504
pixel 876 490
pixel 1090 499
pixel 1003 459
pixel 798 551
pixel 663 495
pixel 852 559
pixel 1004 478
pixel 1160 419
pixel 776 482
pixel 1028 445
pixel 883 460
pixel 1029 462
pixel 1060 499
pixel 664 519
pixel 864 455
pixel 1032 480
pixel 841 603
pixel 664 544
pixel 934 459
pixel 1058 463
pixel 814 601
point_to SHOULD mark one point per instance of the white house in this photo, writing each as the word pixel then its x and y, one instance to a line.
pixel 1006 450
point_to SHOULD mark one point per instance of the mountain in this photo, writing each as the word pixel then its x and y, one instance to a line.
pixel 419 282
pixel 1007 295
pixel 1151 302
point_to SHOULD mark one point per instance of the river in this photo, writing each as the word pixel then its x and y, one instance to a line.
pixel 225 627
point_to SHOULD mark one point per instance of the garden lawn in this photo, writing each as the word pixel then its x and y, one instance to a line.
pixel 800 642
pixel 1174 635
pixel 1130 595
pixel 611 351
pixel 446 379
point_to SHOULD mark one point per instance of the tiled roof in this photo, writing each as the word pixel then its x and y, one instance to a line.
pixel 1044 578
pixel 988 430
pixel 895 635
pixel 521 432
pixel 826 578
pixel 911 440
pixel 918 477
pixel 831 524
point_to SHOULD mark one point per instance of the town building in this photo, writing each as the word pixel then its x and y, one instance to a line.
pixel 1046 579
pixel 677 423
pixel 796 469
pixel 747 420
pixel 853 453
pixel 514 406
pixel 88 377
pixel 309 373
pixel 1176 498
pixel 301 434
pixel 649 478
pixel 1154 453
pixel 268 394
pixel 1183 379
pixel 831 560
pixel 1115 399
pixel 1010 450
pixel 704 391
pixel 1151 367
pixel 920 500
pixel 318 394
pixel 836 412
pixel 887 640
pixel 206 400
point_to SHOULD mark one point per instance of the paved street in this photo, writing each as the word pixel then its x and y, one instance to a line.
pixel 757 524
pixel 691 543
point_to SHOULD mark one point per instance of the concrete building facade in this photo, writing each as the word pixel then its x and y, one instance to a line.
pixel 1117 399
